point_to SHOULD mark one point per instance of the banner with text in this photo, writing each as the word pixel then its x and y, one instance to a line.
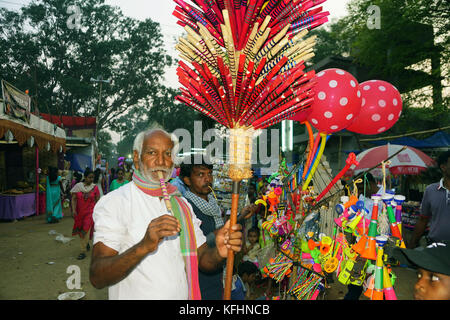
pixel 17 103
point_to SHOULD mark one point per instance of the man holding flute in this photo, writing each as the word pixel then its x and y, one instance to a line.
pixel 141 249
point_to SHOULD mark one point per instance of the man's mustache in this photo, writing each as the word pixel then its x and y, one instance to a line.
pixel 163 169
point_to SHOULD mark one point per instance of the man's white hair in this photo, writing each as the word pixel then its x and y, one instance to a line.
pixel 139 142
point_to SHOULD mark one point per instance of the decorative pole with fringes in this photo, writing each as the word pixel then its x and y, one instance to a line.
pixel 244 68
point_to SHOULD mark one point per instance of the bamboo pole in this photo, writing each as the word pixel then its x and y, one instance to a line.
pixel 230 257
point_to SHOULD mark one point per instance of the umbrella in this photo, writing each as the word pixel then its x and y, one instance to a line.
pixel 409 161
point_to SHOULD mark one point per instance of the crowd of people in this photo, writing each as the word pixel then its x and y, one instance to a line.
pixel 81 195
pixel 152 245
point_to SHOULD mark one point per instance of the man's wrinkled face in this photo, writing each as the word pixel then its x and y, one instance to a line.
pixel 431 286
pixel 200 181
pixel 156 156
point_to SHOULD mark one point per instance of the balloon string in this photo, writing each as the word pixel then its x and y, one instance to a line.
pixel 316 162
pixel 313 159
pixel 312 152
pixel 311 146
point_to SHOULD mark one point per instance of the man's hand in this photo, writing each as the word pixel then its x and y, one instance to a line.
pixel 418 232
pixel 226 240
pixel 158 229
pixel 248 211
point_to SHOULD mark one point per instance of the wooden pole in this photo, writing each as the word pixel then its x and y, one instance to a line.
pixel 230 258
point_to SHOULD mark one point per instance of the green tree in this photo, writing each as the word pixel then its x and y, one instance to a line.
pixel 106 147
pixel 170 116
pixel 411 33
pixel 45 50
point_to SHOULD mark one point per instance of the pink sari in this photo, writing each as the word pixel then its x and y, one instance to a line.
pixel 85 207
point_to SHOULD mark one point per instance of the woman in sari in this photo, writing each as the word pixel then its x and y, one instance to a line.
pixel 98 180
pixel 85 195
pixel 120 181
pixel 53 196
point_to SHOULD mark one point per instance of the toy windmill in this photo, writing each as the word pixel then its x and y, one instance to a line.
pixel 248 71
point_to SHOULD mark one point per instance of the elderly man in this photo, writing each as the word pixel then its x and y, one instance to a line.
pixel 140 250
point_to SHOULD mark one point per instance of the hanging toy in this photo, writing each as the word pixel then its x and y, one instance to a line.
pixel 387 199
pixel 353 268
pixel 329 261
pixel 273 199
pixel 289 249
pixel 268 225
pixel 264 203
pixel 306 286
pixel 278 268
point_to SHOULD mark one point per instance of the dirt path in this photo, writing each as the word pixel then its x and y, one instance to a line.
pixel 26 248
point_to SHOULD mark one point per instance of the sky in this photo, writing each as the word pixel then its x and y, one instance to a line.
pixel 161 11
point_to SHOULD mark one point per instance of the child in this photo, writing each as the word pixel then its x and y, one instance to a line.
pixel 433 274
pixel 251 249
pixel 246 275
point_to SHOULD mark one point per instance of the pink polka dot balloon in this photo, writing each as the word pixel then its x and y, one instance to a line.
pixel 381 107
pixel 337 100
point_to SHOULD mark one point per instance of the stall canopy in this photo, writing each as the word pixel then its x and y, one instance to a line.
pixel 43 132
pixel 70 121
pixel 438 140
pixel 79 162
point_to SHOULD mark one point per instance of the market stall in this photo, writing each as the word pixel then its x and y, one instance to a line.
pixel 27 143
pixel 250 74
pixel 222 186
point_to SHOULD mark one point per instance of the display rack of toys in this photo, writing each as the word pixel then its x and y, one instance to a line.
pixel 245 69
pixel 354 252
pixel 222 186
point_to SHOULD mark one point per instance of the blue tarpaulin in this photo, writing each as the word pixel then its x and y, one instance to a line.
pixel 79 162
pixel 438 140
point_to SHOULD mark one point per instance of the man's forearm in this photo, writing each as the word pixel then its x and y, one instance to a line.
pixel 417 233
pixel 108 270
pixel 209 259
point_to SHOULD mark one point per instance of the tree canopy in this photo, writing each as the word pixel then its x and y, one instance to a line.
pixel 54 51
pixel 410 48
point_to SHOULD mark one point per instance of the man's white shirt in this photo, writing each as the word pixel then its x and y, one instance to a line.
pixel 121 219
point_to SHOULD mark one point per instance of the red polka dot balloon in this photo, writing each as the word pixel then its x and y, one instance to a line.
pixel 381 107
pixel 337 100
pixel 301 116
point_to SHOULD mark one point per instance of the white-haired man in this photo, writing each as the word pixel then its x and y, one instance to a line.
pixel 140 250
